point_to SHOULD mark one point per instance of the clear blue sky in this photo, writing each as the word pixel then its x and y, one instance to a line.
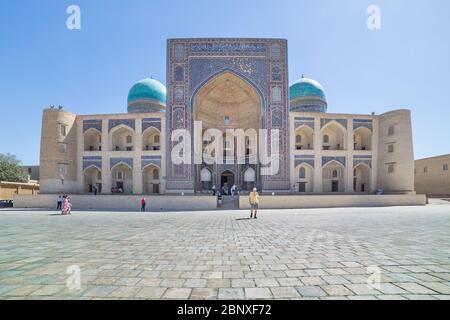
pixel 404 65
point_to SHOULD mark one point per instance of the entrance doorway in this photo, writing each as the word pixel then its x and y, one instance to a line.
pixel 302 187
pixel 227 180
pixel 335 186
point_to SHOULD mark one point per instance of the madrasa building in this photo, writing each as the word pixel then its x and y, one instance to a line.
pixel 227 84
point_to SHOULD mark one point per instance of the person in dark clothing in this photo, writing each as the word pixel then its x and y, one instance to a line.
pixel 59 203
pixel 143 203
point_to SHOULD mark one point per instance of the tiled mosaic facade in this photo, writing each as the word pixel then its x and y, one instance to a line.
pixel 260 62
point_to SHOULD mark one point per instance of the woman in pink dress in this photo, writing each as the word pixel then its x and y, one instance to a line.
pixel 67 206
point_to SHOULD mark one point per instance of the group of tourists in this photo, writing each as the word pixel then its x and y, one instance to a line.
pixel 64 204
pixel 225 191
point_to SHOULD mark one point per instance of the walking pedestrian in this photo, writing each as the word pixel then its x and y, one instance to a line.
pixel 66 206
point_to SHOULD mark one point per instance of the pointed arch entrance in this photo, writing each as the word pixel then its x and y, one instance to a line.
pixel 225 102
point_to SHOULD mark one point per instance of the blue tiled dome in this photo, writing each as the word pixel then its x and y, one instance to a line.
pixel 307 95
pixel 305 87
pixel 145 95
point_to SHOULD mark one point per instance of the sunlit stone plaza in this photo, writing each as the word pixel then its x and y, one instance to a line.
pixel 284 254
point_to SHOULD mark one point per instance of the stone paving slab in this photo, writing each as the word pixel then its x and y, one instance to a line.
pixel 285 254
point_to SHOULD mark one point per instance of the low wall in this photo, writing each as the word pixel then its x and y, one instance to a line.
pixel 8 190
pixel 121 202
pixel 333 201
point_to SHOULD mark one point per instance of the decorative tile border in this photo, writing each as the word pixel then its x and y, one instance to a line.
pixel 367 123
pixel 114 161
pixel 309 159
pixel 117 122
pixel 150 160
pixel 325 160
pixel 94 161
pixel 151 122
pixel 92 124
pixel 324 122
pixel 299 121
pixel 362 159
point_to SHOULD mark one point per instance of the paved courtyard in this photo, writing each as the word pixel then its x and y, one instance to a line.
pixel 288 254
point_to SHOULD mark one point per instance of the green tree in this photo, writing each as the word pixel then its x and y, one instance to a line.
pixel 10 169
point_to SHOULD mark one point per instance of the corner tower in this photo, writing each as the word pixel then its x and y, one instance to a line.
pixel 58 159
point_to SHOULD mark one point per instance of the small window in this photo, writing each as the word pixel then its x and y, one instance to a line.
pixel 156 139
pixel 129 139
pixel 390 148
pixel 298 139
pixel 445 167
pixel 391 168
pixel 326 139
pixel 391 130
pixel 63 130
pixel 99 175
pixel 62 169
pixel 302 173
pixel 62 148
pixel 226 120
pixel 119 175
pixel 155 174
pixel 335 174
pixel 425 170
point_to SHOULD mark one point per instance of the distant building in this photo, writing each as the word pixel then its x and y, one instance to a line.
pixel 432 176
pixel 32 172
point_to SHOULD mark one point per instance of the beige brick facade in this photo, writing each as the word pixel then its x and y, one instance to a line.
pixel 432 176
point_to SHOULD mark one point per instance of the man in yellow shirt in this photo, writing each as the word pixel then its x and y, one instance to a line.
pixel 254 201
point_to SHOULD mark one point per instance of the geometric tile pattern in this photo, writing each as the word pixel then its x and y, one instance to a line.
pixel 309 159
pixel 325 160
pixel 150 160
pixel 92 161
pixel 304 121
pixel 115 161
pixel 367 123
pixel 193 62
pixel 117 122
pixel 92 124
pixel 151 122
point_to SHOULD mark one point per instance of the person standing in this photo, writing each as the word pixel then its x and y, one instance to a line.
pixel 94 188
pixel 214 190
pixel 59 203
pixel 233 190
pixel 254 202
pixel 143 203
pixel 66 206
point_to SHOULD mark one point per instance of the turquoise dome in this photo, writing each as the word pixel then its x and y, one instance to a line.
pixel 307 95
pixel 305 87
pixel 145 95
